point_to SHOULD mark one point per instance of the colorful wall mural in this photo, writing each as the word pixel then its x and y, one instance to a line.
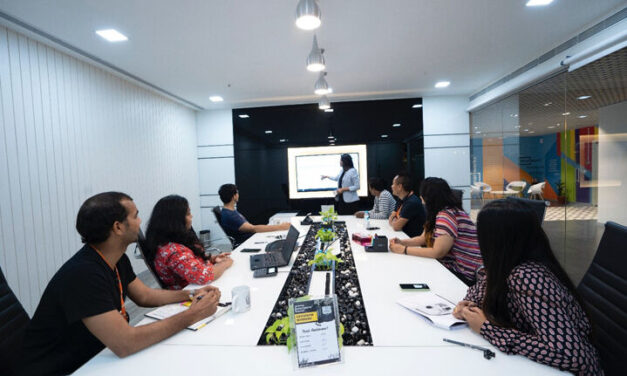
pixel 566 157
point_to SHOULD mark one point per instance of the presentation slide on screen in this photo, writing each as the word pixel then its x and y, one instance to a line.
pixel 307 165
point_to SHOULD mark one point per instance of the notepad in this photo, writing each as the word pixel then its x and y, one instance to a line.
pixel 170 310
pixel 434 309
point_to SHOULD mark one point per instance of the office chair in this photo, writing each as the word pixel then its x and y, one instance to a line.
pixel 538 206
pixel 458 193
pixel 479 188
pixel 217 211
pixel 603 290
pixel 13 322
pixel 149 261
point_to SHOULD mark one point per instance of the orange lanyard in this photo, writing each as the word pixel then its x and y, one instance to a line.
pixel 123 309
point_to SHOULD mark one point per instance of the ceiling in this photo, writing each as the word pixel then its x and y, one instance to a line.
pixel 251 53
pixel 557 103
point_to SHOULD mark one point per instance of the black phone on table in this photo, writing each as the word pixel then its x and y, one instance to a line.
pixel 265 272
pixel 251 250
pixel 414 286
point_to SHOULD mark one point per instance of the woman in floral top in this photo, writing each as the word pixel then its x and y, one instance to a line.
pixel 174 248
pixel 524 303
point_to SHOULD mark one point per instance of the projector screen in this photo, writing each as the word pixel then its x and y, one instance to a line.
pixel 306 165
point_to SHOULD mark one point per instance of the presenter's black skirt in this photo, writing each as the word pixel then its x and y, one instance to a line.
pixel 347 208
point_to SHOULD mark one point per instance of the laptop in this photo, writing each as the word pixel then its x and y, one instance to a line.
pixel 282 258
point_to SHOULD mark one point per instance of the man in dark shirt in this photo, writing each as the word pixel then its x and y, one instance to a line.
pixel 82 309
pixel 234 224
pixel 409 214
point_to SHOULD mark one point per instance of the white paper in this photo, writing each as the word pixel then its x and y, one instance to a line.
pixel 170 310
pixel 433 308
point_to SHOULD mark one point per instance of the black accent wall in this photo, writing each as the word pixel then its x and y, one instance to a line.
pixel 261 173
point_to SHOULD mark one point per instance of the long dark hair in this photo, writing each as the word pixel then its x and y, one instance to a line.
pixel 347 162
pixel 438 196
pixel 509 235
pixel 167 224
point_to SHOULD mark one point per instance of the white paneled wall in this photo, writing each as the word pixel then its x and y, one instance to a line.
pixel 215 162
pixel 447 142
pixel 69 130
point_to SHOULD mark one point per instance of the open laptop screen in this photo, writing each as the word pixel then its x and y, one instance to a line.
pixel 290 243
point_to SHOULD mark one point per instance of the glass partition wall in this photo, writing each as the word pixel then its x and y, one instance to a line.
pixel 563 141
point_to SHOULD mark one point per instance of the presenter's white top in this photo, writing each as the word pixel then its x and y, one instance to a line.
pixel 350 180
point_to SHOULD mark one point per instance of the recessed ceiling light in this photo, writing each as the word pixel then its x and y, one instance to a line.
pixel 442 84
pixel 547 104
pixel 416 106
pixel 582 116
pixel 282 140
pixel 517 126
pixel 532 131
pixel 216 98
pixel 551 126
pixel 478 132
pixel 268 131
pixel 396 125
pixel 328 110
pixel 112 35
pixel 525 130
pixel 583 97
pixel 243 116
pixel 565 113
pixel 513 115
pixel 384 136
pixel 537 3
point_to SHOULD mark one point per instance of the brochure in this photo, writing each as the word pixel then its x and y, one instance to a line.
pixel 433 308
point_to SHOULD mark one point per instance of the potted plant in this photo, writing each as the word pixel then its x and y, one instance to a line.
pixel 561 193
pixel 328 217
pixel 323 260
pixel 326 237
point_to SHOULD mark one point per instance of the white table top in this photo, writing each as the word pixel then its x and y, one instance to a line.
pixel 402 341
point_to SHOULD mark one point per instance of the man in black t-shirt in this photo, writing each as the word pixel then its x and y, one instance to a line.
pixel 409 214
pixel 82 309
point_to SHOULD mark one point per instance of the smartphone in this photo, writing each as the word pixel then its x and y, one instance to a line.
pixel 414 286
pixel 372 228
pixel 265 272
pixel 251 250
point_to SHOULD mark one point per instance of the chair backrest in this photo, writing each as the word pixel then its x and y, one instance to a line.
pixel 150 263
pixel 603 290
pixel 217 211
pixel 517 185
pixel 538 206
pixel 483 187
pixel 537 188
pixel 13 322
pixel 458 193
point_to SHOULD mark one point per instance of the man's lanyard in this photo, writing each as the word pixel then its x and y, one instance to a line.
pixel 123 309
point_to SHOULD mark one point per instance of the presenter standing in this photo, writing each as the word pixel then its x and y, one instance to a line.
pixel 346 197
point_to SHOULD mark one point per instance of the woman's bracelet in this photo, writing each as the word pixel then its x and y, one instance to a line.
pixel 405 251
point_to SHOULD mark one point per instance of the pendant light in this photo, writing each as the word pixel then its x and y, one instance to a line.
pixel 321 87
pixel 308 15
pixel 324 103
pixel 315 60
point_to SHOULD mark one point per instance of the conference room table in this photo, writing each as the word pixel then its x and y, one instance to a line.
pixel 402 341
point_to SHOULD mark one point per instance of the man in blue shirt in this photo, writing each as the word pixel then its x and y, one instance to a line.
pixel 409 214
pixel 235 224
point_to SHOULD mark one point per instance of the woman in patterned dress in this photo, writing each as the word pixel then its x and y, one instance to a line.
pixel 174 248
pixel 525 303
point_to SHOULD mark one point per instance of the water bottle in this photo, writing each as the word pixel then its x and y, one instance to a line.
pixel 367 217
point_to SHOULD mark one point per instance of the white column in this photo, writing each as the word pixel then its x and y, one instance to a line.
pixel 215 162
pixel 447 141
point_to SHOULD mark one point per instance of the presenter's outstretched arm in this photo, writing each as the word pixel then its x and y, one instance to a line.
pixel 248 227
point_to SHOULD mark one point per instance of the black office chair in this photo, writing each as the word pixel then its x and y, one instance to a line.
pixel 217 211
pixel 538 206
pixel 13 322
pixel 149 261
pixel 604 292
pixel 459 194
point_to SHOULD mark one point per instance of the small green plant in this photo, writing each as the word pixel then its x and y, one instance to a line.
pixel 325 235
pixel 329 216
pixel 280 333
pixel 324 259
pixel 561 189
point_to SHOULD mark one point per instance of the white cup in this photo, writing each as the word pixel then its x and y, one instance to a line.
pixel 240 296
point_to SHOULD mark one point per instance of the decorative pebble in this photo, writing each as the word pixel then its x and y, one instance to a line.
pixel 354 329
pixel 361 342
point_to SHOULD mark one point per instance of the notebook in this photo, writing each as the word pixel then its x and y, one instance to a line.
pixel 170 310
pixel 433 308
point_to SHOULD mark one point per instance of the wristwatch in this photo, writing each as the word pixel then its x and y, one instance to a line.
pixel 405 251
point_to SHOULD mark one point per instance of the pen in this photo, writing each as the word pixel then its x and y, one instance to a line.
pixel 487 353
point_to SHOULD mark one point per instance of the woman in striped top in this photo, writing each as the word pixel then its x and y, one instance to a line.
pixel 449 234
pixel 384 202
